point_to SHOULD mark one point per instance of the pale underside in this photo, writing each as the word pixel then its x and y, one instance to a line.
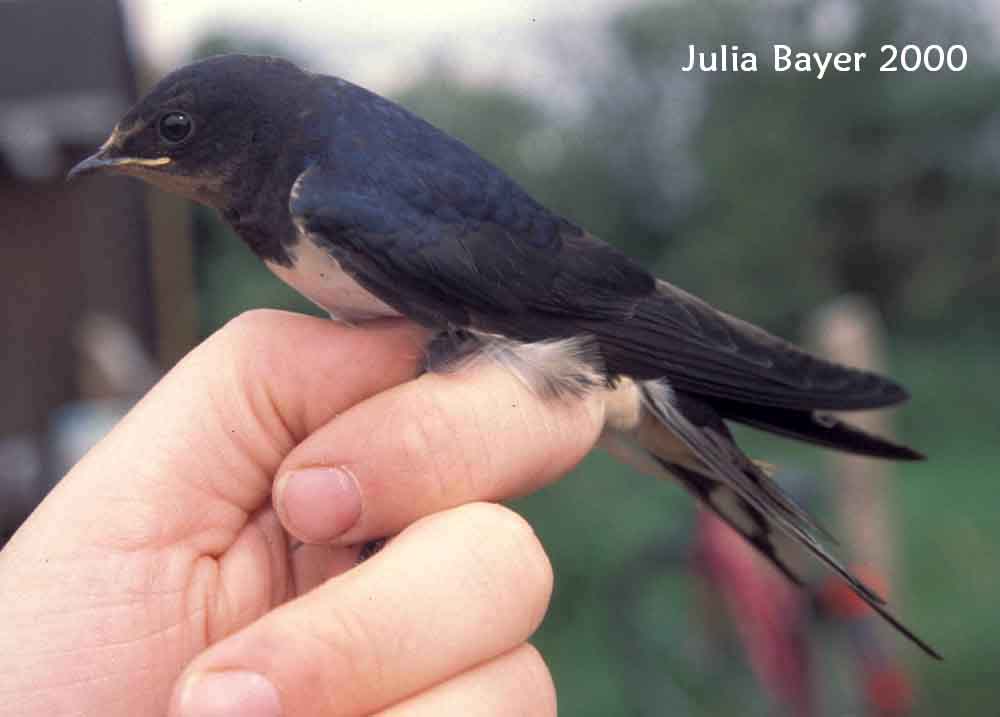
pixel 316 275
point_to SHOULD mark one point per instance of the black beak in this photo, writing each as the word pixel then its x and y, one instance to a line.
pixel 101 159
pixel 94 162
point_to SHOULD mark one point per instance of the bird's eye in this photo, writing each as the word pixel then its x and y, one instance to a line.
pixel 175 127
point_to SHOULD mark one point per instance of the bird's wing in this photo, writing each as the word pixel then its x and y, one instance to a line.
pixel 709 353
pixel 446 250
pixel 453 244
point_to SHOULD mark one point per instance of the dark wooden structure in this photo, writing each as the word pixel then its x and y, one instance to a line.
pixel 66 250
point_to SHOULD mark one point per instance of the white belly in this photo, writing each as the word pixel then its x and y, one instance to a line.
pixel 318 276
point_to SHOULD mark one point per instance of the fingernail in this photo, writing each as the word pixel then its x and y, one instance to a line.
pixel 228 694
pixel 318 504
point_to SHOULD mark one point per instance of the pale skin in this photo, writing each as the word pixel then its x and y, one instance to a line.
pixel 201 560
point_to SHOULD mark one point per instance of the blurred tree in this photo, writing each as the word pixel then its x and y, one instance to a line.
pixel 872 182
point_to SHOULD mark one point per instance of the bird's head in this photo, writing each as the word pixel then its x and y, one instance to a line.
pixel 205 130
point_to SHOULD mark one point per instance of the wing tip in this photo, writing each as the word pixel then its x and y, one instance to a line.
pixel 906 632
pixel 880 392
pixel 909 454
pixel 895 393
pixel 880 447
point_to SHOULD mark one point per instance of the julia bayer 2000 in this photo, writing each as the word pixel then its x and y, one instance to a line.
pixel 730 58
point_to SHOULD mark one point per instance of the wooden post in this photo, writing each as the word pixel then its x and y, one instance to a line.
pixel 849 330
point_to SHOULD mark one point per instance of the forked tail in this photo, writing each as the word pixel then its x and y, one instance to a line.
pixel 682 437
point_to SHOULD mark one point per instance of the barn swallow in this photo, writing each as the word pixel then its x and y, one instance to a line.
pixel 369 211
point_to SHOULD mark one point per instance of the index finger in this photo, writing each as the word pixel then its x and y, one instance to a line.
pixel 431 444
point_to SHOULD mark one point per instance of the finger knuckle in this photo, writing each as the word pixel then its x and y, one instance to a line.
pixel 429 439
pixel 511 538
pixel 243 345
pixel 348 646
pixel 240 365
pixel 318 663
pixel 250 327
pixel 535 682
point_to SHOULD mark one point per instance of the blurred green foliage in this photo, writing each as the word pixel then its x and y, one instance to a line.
pixel 766 193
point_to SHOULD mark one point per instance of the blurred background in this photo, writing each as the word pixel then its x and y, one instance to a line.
pixel 857 214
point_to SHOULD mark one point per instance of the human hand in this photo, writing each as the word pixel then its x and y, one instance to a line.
pixel 157 576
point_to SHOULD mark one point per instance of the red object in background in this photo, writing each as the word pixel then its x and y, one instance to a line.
pixel 887 689
pixel 839 601
pixel 773 618
pixel 770 613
